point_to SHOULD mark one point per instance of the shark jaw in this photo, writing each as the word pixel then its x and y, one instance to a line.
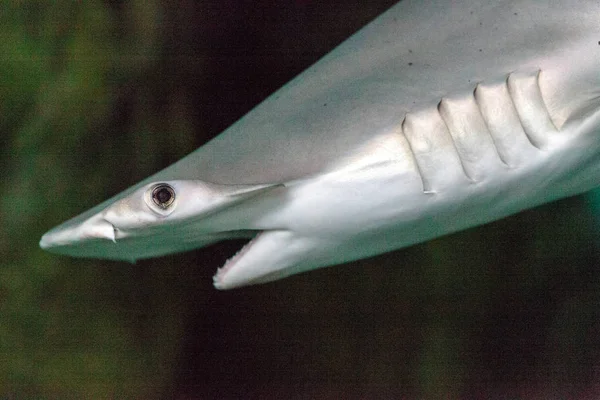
pixel 98 238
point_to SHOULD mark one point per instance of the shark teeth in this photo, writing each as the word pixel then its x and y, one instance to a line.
pixel 231 261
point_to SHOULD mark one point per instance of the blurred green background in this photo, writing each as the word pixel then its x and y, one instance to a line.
pixel 95 96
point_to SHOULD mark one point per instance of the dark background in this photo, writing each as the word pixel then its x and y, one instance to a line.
pixel 95 96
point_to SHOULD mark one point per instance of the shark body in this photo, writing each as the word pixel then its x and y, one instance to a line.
pixel 436 117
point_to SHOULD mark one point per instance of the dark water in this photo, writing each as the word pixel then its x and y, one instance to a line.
pixel 96 97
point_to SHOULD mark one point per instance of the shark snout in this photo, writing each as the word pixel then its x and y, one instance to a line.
pixel 63 236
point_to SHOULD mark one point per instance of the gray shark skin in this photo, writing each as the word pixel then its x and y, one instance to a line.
pixel 436 117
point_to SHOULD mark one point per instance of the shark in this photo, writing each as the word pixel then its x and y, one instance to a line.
pixel 435 117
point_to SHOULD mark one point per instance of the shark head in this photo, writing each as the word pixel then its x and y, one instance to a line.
pixel 292 227
pixel 157 218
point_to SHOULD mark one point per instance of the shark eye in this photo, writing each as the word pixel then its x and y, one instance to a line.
pixel 163 195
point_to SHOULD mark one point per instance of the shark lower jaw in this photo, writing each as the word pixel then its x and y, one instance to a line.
pixel 220 276
pixel 269 256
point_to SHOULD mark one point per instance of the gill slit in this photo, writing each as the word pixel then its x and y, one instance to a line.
pixel 427 189
pixel 487 127
pixel 462 164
